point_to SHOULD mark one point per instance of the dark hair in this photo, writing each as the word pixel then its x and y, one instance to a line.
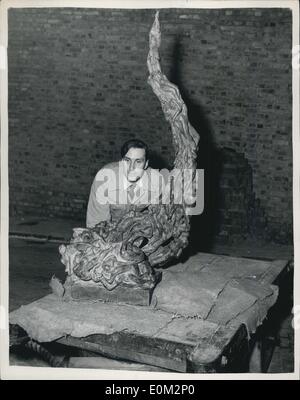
pixel 134 143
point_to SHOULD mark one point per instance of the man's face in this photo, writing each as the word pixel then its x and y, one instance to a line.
pixel 135 164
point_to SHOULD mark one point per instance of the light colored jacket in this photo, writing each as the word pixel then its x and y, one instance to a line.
pixel 108 198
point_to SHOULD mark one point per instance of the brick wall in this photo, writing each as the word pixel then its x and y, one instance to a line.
pixel 78 90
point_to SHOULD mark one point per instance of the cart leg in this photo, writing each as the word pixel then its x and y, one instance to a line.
pixel 53 360
pixel 255 364
pixel 262 353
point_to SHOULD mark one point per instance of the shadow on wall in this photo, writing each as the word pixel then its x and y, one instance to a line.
pixel 157 161
pixel 204 226
pixel 231 210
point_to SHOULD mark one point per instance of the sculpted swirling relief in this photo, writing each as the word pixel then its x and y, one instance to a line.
pixel 124 252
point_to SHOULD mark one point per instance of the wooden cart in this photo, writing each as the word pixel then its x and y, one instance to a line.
pixel 207 315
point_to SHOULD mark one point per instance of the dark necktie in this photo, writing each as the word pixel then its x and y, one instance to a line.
pixel 130 192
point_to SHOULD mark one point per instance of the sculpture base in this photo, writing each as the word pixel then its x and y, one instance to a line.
pixel 121 294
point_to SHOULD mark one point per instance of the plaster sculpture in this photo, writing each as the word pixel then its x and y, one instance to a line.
pixel 122 254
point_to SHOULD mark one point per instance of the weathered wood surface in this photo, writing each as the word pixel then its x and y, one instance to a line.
pixel 136 348
pixel 273 273
pixel 106 363
pixel 163 334
pixel 216 352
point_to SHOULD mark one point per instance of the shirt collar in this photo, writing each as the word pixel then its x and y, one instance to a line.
pixel 139 183
pixel 126 184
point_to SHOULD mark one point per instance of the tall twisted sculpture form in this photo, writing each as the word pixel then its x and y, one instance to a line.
pixel 124 252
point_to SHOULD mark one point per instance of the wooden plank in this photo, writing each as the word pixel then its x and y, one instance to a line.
pixel 167 348
pixel 208 355
pixel 217 352
pixel 142 334
pixel 145 350
pixel 107 363
pixel 272 275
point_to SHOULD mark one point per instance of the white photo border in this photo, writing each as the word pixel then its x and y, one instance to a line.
pixel 27 373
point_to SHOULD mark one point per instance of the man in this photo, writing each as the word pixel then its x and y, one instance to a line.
pixel 124 185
